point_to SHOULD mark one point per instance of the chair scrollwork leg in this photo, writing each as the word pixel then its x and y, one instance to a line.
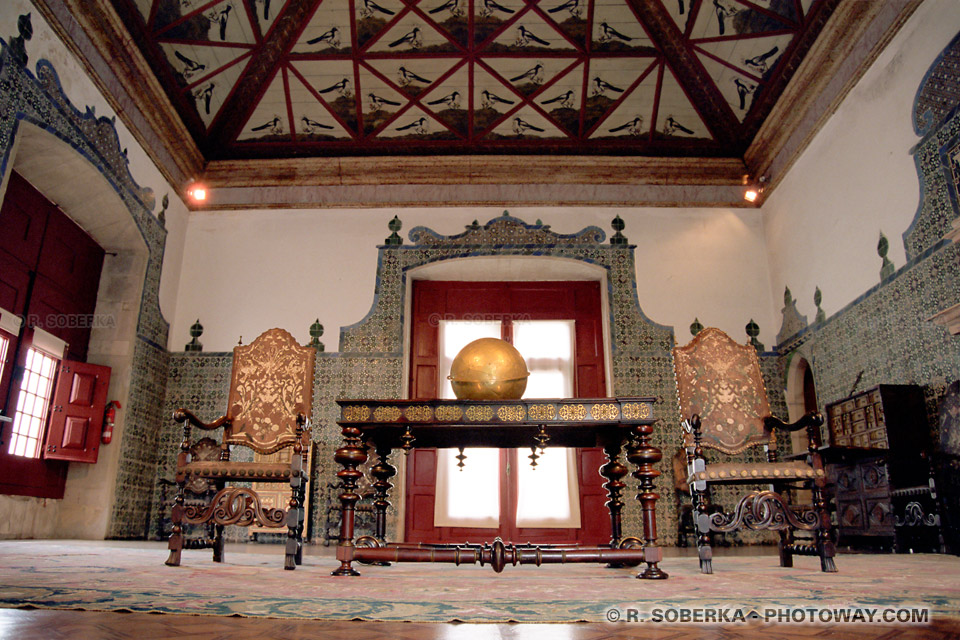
pixel 301 496
pixel 701 521
pixel 218 543
pixel 175 542
pixel 294 548
pixel 826 548
pixel 786 555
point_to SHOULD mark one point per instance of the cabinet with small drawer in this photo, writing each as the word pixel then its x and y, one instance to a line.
pixel 877 451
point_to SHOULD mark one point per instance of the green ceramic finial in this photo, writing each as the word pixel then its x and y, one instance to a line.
pixel 886 269
pixel 316 330
pixel 817 299
pixel 394 225
pixel 164 203
pixel 696 327
pixel 196 330
pixel 618 226
pixel 787 297
pixel 18 47
pixel 753 330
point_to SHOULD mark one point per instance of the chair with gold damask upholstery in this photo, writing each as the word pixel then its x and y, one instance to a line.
pixel 271 395
pixel 724 407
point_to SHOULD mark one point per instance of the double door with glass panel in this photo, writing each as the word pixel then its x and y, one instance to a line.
pixel 493 492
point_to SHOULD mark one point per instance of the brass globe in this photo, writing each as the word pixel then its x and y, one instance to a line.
pixel 488 369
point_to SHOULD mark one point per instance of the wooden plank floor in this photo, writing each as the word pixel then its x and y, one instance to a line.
pixel 35 624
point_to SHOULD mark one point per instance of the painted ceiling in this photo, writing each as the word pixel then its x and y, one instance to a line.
pixel 302 78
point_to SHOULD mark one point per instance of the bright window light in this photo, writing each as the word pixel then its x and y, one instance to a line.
pixel 454 336
pixel 547 495
pixel 473 492
pixel 33 402
pixel 4 345
pixel 467 497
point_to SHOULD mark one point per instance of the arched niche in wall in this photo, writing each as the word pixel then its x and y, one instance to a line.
pixel 801 396
pixel 370 362
pixel 75 158
pixel 78 189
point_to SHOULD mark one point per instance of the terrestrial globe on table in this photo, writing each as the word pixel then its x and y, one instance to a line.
pixel 488 369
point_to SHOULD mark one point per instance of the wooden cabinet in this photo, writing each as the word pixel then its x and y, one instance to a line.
pixel 878 469
pixel 861 489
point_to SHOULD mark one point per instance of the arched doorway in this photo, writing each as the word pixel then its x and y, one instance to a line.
pixel 801 397
pixel 83 193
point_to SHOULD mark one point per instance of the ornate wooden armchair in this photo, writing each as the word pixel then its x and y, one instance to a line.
pixel 271 394
pixel 724 407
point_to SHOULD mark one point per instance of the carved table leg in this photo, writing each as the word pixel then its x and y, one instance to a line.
pixel 614 471
pixel 350 456
pixel 644 456
pixel 382 471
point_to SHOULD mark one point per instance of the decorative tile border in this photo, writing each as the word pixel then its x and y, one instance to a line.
pixel 642 362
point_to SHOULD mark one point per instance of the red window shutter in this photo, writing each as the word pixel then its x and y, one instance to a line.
pixel 76 417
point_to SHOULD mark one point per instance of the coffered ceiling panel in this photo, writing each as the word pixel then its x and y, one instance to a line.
pixel 321 78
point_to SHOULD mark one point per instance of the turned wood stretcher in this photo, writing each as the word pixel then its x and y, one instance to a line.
pixel 615 424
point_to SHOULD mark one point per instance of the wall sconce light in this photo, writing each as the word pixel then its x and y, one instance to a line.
pixel 753 191
pixel 196 192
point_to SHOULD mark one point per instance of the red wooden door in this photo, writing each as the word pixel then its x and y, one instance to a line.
pixel 77 414
pixel 505 301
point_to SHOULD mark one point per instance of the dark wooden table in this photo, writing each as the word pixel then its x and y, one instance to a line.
pixel 615 424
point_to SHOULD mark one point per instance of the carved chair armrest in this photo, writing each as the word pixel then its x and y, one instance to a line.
pixel 810 422
pixel 185 415
pixel 812 419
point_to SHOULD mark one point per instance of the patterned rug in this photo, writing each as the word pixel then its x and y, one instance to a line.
pixel 132 577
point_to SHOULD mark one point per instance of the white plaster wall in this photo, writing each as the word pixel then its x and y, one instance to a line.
pixel 247 271
pixel 857 177
pixel 82 92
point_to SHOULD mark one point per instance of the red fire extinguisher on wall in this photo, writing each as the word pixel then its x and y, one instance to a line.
pixel 109 417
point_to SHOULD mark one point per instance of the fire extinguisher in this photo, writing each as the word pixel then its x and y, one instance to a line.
pixel 109 417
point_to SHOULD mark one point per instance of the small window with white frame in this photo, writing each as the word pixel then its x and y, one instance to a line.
pixel 35 394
